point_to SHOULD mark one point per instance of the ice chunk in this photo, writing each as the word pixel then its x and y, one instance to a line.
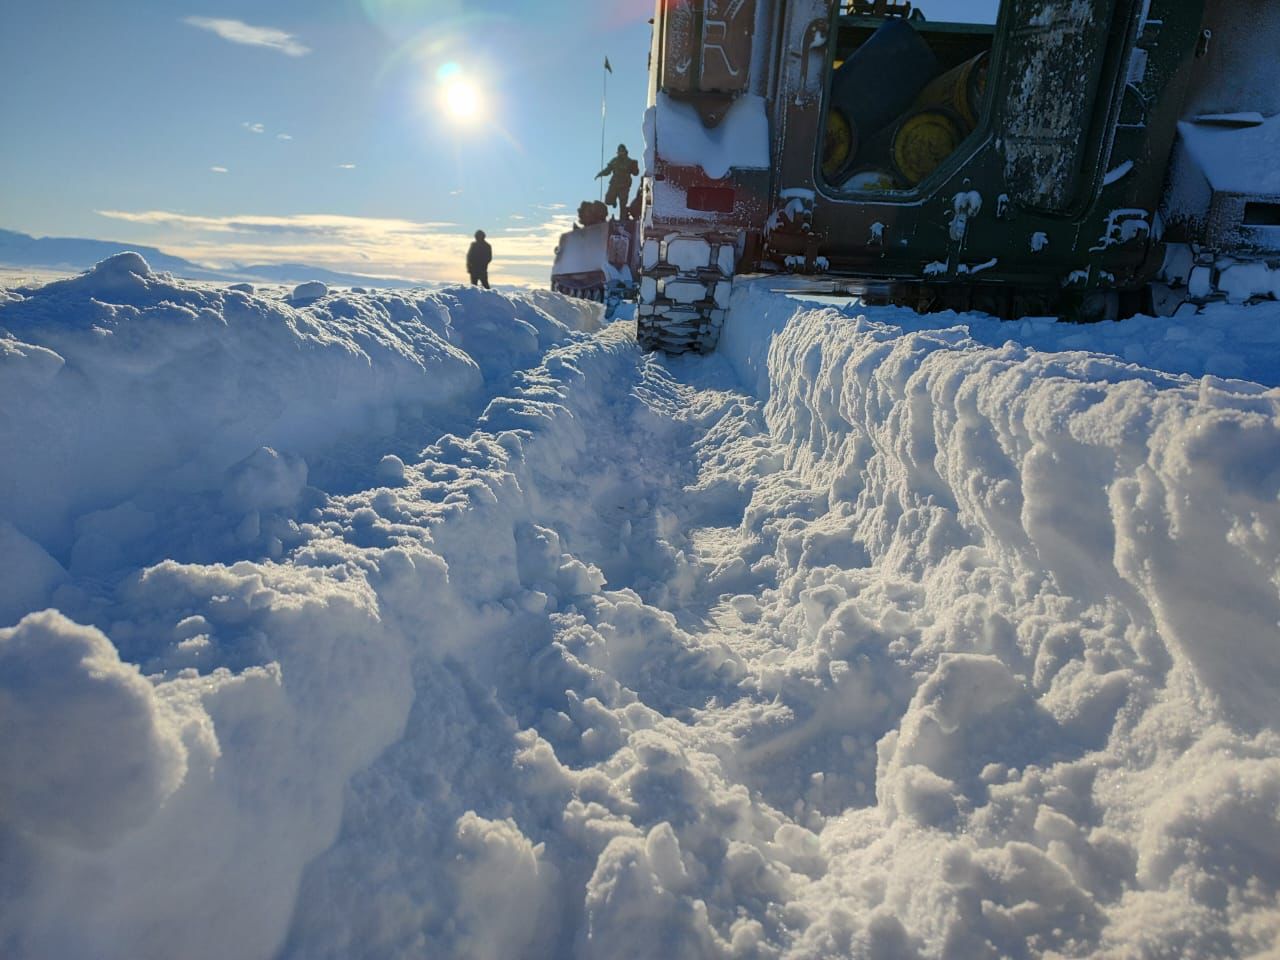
pixel 391 469
pixel 1241 281
pixel 311 290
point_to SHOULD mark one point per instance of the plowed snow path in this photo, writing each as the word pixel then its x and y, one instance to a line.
pixel 743 683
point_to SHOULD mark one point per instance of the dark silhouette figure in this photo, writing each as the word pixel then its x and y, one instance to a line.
pixel 479 254
pixel 620 170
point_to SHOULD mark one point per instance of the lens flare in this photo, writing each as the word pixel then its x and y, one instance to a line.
pixel 462 100
pixel 458 96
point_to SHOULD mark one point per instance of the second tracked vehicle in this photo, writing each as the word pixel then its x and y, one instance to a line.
pixel 598 259
pixel 1084 158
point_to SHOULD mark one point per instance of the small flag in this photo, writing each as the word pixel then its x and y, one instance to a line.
pixel 606 65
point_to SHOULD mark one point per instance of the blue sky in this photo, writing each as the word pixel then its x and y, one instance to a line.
pixel 251 131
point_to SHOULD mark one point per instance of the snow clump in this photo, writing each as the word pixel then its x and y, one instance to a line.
pixel 87 750
pixel 311 290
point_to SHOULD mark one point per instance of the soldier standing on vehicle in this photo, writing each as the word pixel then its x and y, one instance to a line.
pixel 620 170
pixel 479 254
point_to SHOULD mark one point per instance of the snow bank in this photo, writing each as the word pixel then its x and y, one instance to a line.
pixel 1066 594
pixel 1218 339
pixel 167 771
pixel 131 384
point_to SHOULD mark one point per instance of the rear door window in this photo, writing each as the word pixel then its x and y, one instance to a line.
pixel 908 87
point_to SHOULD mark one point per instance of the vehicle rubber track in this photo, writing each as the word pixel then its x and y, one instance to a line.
pixel 684 292
pixel 677 332
pixel 596 293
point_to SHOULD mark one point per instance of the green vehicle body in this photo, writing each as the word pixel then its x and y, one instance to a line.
pixel 1075 193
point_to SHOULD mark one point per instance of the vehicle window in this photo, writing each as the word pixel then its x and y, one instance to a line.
pixel 908 86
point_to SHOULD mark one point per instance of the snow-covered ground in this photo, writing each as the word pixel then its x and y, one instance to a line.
pixel 446 624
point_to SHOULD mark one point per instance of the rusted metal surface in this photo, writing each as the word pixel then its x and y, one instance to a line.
pixel 726 45
pixel 1051 75
pixel 1048 202
pixel 708 46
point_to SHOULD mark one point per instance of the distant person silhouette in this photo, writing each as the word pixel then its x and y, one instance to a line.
pixel 620 170
pixel 479 254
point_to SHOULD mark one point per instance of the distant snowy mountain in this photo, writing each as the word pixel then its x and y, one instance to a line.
pixel 77 253
pixel 298 272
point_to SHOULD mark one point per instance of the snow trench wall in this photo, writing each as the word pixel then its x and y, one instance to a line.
pixel 176 737
pixel 1120 485
pixel 1057 576
pixel 123 391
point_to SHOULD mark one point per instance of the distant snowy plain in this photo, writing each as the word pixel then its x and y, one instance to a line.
pixel 445 623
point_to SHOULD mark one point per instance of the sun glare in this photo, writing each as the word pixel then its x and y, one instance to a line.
pixel 459 96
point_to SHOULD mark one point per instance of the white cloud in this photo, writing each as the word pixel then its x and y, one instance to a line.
pixel 346 166
pixel 238 31
pixel 254 127
pixel 431 250
pixel 218 169
pixel 284 136
pixel 296 223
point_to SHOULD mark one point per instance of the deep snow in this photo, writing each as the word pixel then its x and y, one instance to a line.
pixel 442 623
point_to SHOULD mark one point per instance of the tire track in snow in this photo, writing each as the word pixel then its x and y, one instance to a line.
pixel 595 703
pixel 525 512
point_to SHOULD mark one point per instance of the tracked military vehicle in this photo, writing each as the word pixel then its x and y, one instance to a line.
pixel 598 259
pixel 1084 158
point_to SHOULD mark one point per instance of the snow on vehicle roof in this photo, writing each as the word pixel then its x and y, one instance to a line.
pixel 1236 157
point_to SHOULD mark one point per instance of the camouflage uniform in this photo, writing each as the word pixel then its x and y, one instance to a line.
pixel 620 170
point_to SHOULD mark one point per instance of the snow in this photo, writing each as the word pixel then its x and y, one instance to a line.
pixel 311 290
pixel 964 206
pixel 872 635
pixel 89 752
pixel 1243 281
pixel 1117 174
pixel 583 250
pixel 739 141
pixel 1233 158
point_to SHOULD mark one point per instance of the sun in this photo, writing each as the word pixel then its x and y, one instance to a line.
pixel 460 97
pixel 461 100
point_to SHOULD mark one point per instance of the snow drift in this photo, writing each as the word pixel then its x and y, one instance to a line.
pixel 1067 605
pixel 122 387
pixel 874 636
pixel 143 420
